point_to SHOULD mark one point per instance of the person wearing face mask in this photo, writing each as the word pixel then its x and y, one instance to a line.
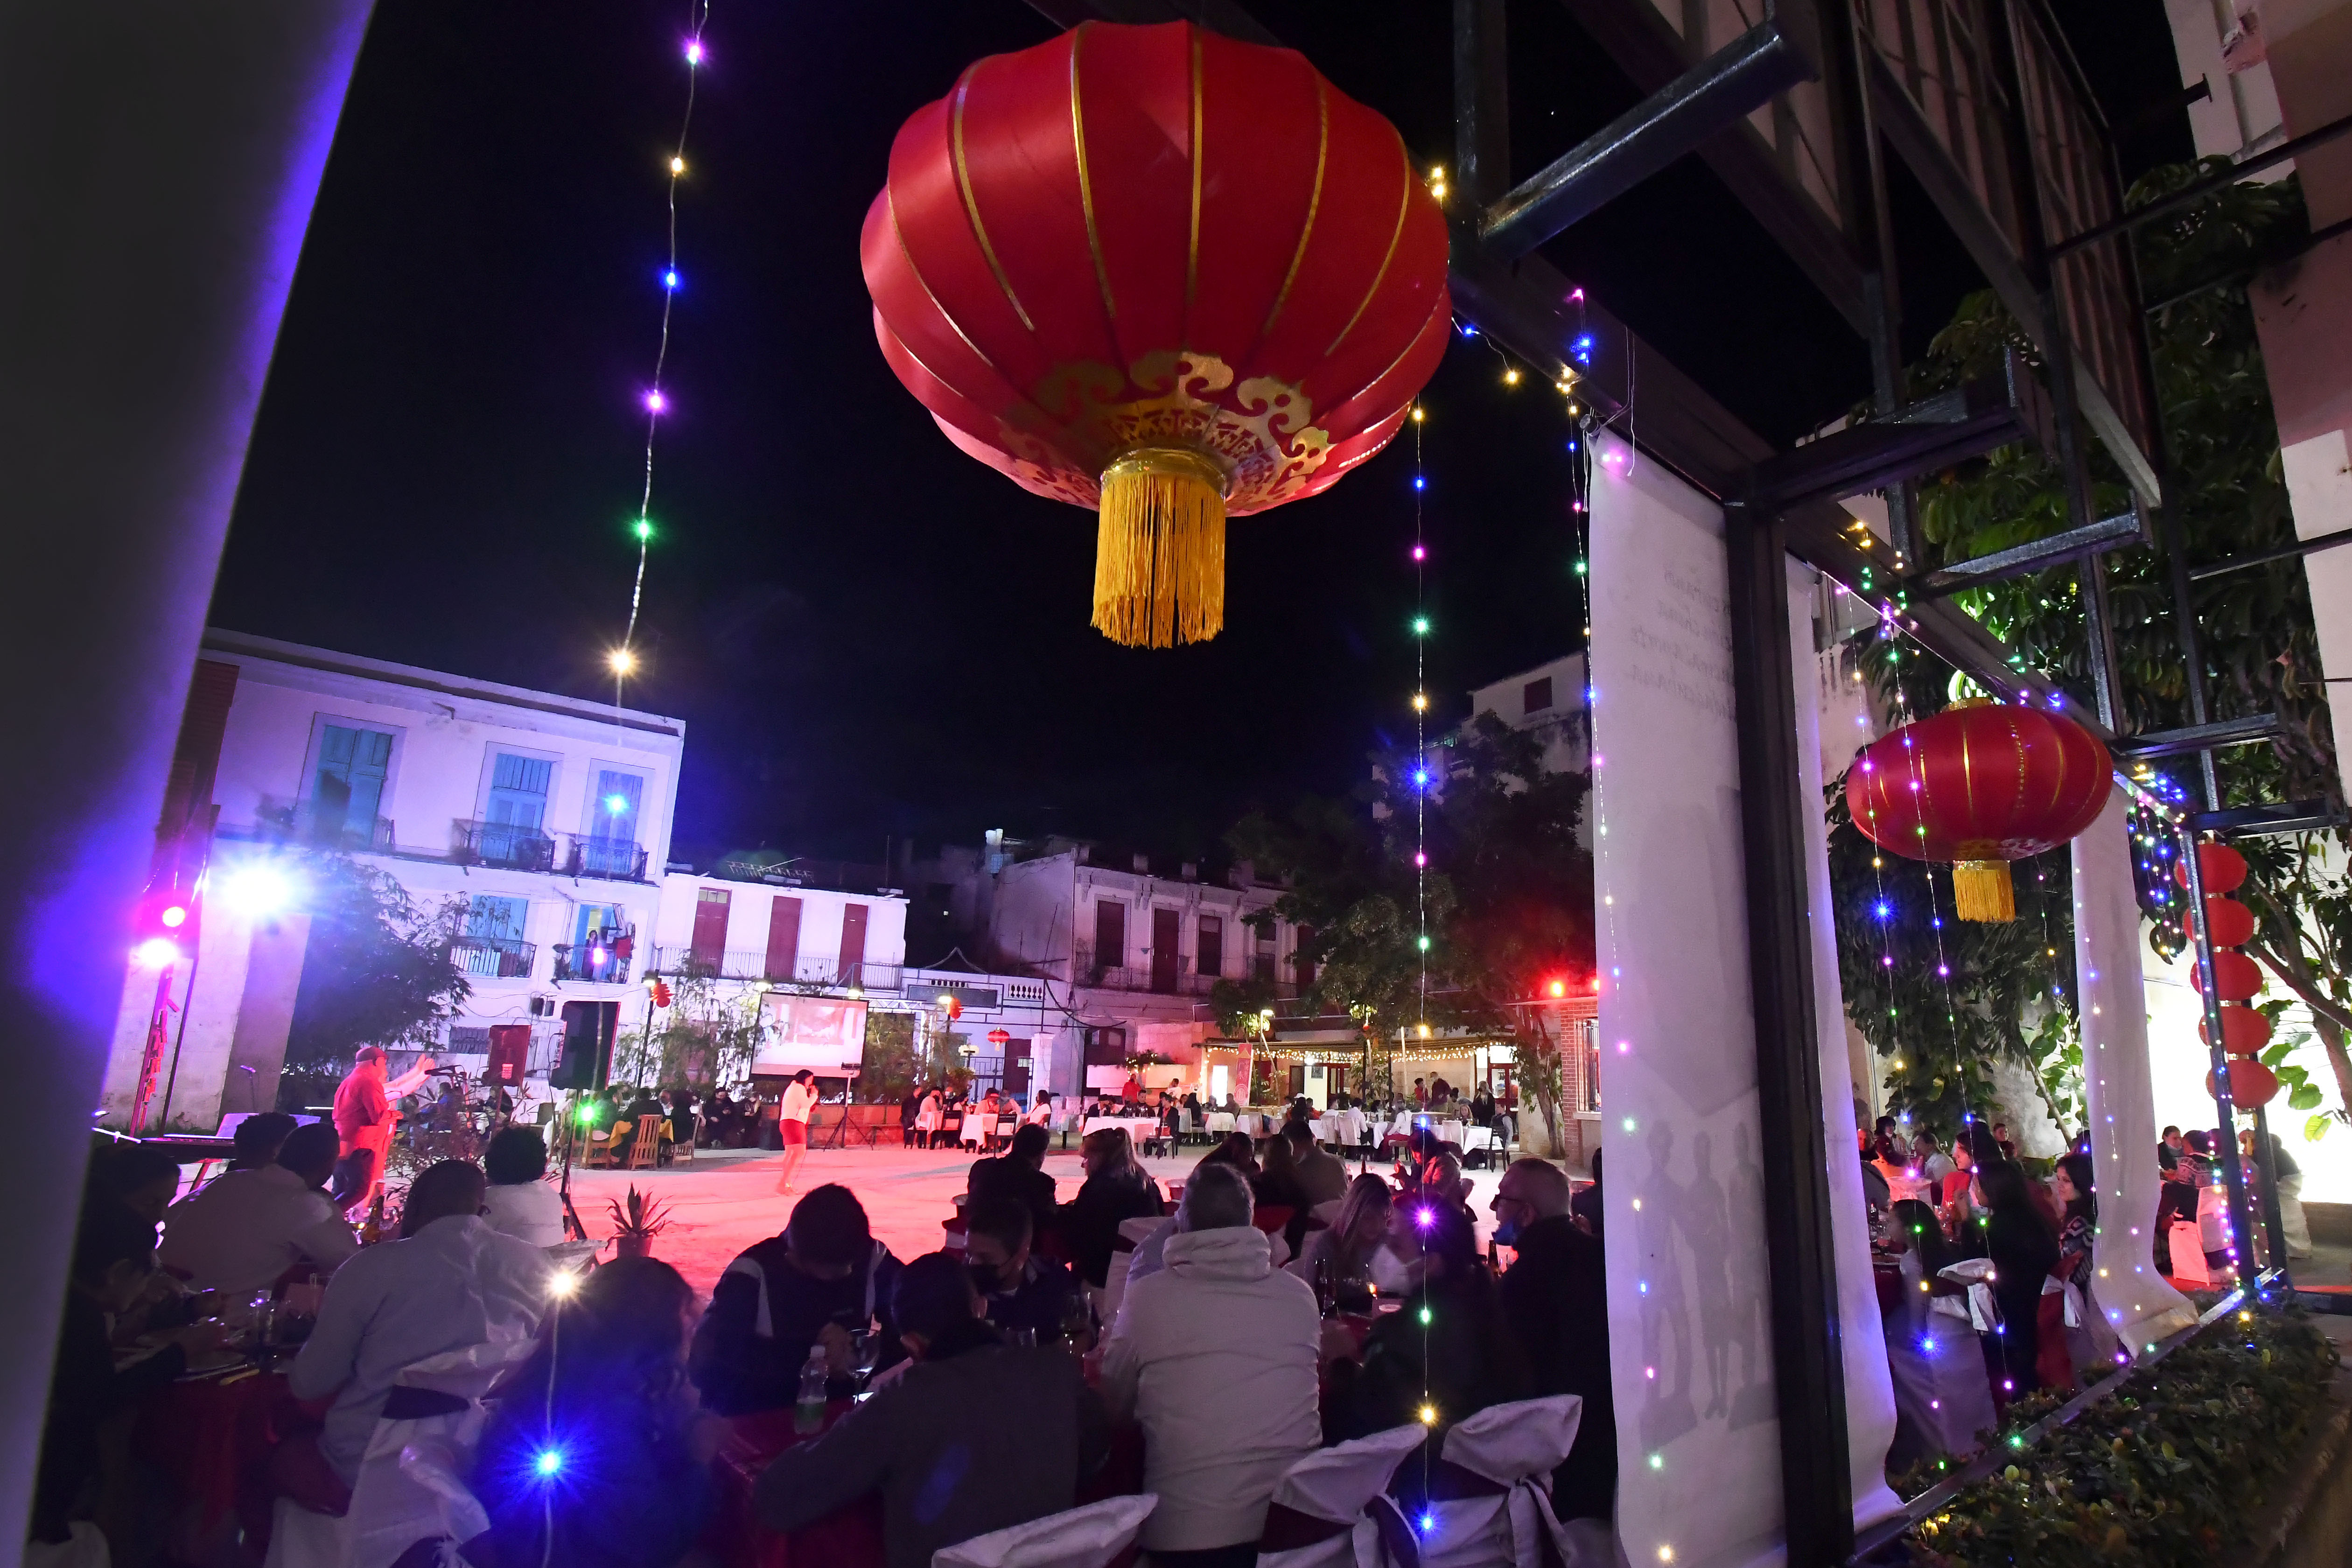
pixel 1019 1289
pixel 1556 1299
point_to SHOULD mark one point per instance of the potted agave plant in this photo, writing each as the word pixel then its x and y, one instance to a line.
pixel 636 1220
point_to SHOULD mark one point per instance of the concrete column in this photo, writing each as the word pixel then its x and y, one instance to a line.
pixel 158 163
pixel 2112 1000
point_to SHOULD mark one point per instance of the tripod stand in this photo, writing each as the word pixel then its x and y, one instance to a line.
pixel 577 1231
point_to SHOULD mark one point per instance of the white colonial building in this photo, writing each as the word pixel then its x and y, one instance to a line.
pixel 540 824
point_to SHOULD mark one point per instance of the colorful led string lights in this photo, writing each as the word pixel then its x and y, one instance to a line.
pixel 655 401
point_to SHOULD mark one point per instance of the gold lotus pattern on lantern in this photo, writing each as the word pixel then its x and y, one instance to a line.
pixel 1069 430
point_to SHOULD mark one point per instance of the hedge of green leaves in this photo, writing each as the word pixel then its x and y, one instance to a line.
pixel 2170 1469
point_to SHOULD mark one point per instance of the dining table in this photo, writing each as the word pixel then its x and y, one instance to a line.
pixel 851 1536
pixel 1140 1129
pixel 209 1438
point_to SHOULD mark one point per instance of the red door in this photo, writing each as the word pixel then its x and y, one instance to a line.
pixel 709 948
pixel 853 944
pixel 1164 940
pixel 783 938
pixel 1110 935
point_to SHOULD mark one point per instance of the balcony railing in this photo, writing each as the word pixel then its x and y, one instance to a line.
pixel 506 843
pixel 620 860
pixel 604 962
pixel 1138 977
pixel 494 957
pixel 305 823
pixel 749 964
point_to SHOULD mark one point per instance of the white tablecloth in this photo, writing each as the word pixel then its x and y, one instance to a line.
pixel 976 1127
pixel 1343 1127
pixel 1217 1122
pixel 1139 1128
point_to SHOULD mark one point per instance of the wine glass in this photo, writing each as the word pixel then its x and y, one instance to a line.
pixel 864 1349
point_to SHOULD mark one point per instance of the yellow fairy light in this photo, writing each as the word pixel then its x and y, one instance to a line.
pixel 621 660
pixel 1429 1414
pixel 1575 408
pixel 1438 190
pixel 1511 375
pixel 677 165
pixel 1416 414
pixel 1420 701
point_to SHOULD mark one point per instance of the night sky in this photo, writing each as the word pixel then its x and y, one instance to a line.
pixel 868 633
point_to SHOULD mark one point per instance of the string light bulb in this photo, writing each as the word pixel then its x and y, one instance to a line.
pixel 1417 415
pixel 1511 375
pixel 622 661
pixel 677 166
pixel 1420 702
pixel 693 51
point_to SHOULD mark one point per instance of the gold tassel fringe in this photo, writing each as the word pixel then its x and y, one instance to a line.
pixel 1981 892
pixel 1160 550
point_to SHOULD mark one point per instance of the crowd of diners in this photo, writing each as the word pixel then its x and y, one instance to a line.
pixel 1242 1339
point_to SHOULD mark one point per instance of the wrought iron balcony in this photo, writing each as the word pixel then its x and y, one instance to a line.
pixel 604 960
pixel 749 964
pixel 506 843
pixel 494 957
pixel 619 859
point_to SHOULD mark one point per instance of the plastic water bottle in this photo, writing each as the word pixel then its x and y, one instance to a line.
pixel 808 1410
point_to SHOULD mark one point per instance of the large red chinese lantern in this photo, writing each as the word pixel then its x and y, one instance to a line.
pixel 1980 784
pixel 1160 273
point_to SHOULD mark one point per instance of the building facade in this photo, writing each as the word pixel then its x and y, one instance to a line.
pixel 537 824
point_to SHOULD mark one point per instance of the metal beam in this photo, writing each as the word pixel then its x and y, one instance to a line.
pixel 2191 195
pixel 1991 250
pixel 2033 555
pixel 2204 737
pixel 1808 1361
pixel 2264 821
pixel 1652 54
pixel 1482 101
pixel 1922 438
pixel 1704 100
pixel 2311 546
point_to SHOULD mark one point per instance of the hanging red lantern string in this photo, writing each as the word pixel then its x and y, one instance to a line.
pixel 1164 274
pixel 1980 784
pixel 2245 1031
pixel 2236 977
pixel 2233 923
pixel 2252 1085
pixel 2224 869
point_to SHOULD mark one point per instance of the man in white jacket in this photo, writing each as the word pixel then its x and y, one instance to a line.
pixel 1214 1356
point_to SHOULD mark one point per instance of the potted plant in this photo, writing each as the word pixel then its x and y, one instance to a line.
pixel 636 1220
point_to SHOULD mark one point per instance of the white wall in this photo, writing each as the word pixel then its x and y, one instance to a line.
pixel 751 908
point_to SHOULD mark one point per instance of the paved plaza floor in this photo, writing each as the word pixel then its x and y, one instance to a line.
pixel 725 1200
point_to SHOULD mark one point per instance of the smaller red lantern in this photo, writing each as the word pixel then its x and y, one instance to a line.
pixel 952 1007
pixel 2236 977
pixel 2243 1030
pixel 999 1037
pixel 2233 923
pixel 2252 1085
pixel 2224 869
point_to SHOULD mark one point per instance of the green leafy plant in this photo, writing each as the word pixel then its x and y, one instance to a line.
pixel 2163 1473
pixel 700 1041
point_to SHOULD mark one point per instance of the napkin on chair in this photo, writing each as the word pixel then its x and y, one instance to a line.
pixel 1515 1448
pixel 1086 1536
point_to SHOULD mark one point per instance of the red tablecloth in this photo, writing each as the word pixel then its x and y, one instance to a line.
pixel 850 1538
pixel 212 1438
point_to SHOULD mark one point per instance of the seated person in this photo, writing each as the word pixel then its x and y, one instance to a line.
pixel 1556 1299
pixel 1459 1358
pixel 1018 1289
pixel 1019 1174
pixel 681 1115
pixel 1586 1206
pixel 608 1433
pixel 1116 1189
pixel 1218 1318
pixel 1353 1250
pixel 449 1281
pixel 241 1233
pixel 1322 1177
pixel 258 1138
pixel 977 1435
pixel 114 1253
pixel 136 1176
pixel 820 1281
pixel 521 1203
pixel 644 1115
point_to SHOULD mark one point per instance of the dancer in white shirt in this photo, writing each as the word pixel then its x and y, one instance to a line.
pixel 793 1124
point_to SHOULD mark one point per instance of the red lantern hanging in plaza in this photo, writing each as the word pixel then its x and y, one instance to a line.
pixel 2245 1031
pixel 999 1038
pixel 2236 977
pixel 2252 1085
pixel 1980 784
pixel 1164 274
pixel 2233 923
pixel 2224 869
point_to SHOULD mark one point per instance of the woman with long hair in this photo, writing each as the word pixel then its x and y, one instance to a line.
pixel 1355 1244
pixel 2071 1185
pixel 2023 1249
pixel 1116 1188
pixel 595 1456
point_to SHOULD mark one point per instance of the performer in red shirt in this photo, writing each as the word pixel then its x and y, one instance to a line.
pixel 366 1115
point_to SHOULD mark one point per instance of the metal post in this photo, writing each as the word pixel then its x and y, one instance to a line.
pixel 2241 1231
pixel 2274 1215
pixel 1482 113
pixel 1808 1361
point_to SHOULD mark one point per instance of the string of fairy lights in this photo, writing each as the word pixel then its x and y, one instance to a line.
pixel 654 400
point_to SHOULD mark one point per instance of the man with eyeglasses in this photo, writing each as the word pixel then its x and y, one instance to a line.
pixel 1556 1299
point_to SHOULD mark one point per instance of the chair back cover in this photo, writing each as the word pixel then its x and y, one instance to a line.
pixel 1336 1483
pixel 1514 1446
pixel 1086 1536
pixel 394 1503
pixel 1508 1443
